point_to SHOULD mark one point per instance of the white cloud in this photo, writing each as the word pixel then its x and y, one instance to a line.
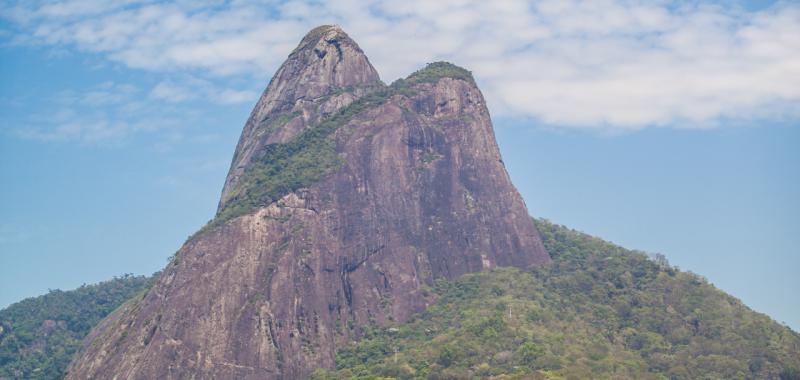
pixel 611 64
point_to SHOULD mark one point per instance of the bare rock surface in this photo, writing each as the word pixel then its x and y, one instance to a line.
pixel 420 194
pixel 326 72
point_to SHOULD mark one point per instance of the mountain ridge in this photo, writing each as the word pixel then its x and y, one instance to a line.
pixel 314 132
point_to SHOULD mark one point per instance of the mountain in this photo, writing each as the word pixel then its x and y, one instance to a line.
pixel 596 311
pixel 39 335
pixel 346 200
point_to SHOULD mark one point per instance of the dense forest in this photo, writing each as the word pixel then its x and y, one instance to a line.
pixel 596 311
pixel 39 335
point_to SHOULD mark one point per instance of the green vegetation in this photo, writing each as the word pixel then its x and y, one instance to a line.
pixel 281 120
pixel 596 311
pixel 437 70
pixel 311 156
pixel 39 335
pixel 301 162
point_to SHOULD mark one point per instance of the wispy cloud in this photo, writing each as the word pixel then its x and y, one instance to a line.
pixel 185 88
pixel 612 64
pixel 169 91
pixel 105 114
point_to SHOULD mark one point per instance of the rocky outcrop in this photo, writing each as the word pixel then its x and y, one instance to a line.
pixel 326 72
pixel 374 192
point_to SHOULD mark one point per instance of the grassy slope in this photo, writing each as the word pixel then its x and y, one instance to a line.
pixel 597 311
pixel 40 334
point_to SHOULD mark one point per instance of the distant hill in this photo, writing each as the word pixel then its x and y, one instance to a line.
pixel 597 311
pixel 39 335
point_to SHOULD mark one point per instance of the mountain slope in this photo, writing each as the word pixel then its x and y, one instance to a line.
pixel 39 335
pixel 346 198
pixel 596 311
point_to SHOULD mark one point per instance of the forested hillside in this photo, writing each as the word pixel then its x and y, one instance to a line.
pixel 39 335
pixel 597 311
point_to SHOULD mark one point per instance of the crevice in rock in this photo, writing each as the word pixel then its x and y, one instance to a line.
pixel 338 47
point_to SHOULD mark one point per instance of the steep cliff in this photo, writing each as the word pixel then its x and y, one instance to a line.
pixel 326 72
pixel 345 200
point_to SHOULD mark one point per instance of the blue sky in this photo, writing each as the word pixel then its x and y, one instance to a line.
pixel 669 127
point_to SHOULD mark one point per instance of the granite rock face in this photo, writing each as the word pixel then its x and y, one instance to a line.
pixel 419 193
pixel 326 72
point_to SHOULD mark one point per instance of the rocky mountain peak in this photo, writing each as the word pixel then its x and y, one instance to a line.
pixel 326 58
pixel 346 200
pixel 327 71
